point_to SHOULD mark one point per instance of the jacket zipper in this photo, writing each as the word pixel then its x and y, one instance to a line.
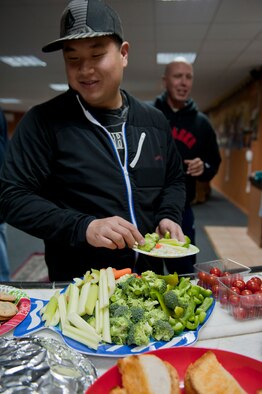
pixel 123 168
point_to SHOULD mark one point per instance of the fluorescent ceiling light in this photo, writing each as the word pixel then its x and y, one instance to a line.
pixel 9 101
pixel 165 58
pixel 59 87
pixel 22 61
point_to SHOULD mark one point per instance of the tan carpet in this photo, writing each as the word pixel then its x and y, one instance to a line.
pixel 33 269
pixel 234 243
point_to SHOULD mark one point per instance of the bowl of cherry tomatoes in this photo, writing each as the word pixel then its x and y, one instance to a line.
pixel 242 297
pixel 233 285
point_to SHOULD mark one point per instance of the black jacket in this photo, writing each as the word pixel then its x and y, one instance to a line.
pixel 62 171
pixel 194 137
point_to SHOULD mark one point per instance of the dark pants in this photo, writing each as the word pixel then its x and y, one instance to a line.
pixel 184 265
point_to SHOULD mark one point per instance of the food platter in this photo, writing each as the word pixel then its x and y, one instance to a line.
pixel 33 323
pixel 23 304
pixel 168 251
pixel 247 371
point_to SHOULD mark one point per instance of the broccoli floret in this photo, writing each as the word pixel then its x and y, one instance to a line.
pixel 137 314
pixel 136 302
pixel 118 296
pixel 134 287
pixel 150 304
pixel 154 282
pixel 119 329
pixel 162 331
pixel 139 334
pixel 117 310
pixel 154 315
pixel 171 299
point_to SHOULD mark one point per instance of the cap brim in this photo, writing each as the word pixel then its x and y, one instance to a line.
pixel 58 44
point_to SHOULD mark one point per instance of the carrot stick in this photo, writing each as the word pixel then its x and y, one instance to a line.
pixel 119 273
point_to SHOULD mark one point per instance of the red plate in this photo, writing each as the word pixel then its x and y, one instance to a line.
pixel 23 304
pixel 247 371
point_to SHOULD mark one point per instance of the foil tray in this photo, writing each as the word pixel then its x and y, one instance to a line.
pixel 42 366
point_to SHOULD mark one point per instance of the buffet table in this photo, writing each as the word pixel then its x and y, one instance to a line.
pixel 221 331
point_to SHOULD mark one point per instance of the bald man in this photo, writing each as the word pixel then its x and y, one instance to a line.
pixel 195 139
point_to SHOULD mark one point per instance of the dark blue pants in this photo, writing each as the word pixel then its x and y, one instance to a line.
pixel 184 265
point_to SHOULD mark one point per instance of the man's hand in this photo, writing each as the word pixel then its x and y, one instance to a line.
pixel 174 229
pixel 195 167
pixel 113 233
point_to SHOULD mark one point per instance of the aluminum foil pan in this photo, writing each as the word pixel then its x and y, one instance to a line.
pixel 43 366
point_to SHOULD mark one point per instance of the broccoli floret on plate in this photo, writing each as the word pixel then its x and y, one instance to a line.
pixel 162 331
pixel 137 314
pixel 119 329
pixel 139 334
pixel 154 315
pixel 117 310
pixel 154 282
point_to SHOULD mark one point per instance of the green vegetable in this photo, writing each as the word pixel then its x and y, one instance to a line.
pixel 175 242
pixel 119 329
pixel 137 314
pixel 139 334
pixel 154 282
pixel 154 315
pixel 171 299
pixel 170 279
pixel 162 331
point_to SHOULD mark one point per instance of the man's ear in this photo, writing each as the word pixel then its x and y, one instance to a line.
pixel 124 52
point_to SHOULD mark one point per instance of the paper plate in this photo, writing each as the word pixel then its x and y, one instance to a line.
pixel 247 371
pixel 170 252
pixel 23 304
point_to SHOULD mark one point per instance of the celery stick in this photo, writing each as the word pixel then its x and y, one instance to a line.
pixel 103 289
pixel 82 298
pixel 97 313
pixel 80 336
pixel 62 310
pixel 50 310
pixel 80 323
pixel 106 326
pixel 78 282
pixel 92 277
pixel 111 281
pixel 55 319
pixel 91 299
pixel 73 298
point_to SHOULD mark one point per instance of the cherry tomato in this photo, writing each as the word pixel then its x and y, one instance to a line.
pixel 246 292
pixel 239 313
pixel 215 290
pixel 212 280
pixel 248 301
pixel 258 299
pixel 202 276
pixel 223 299
pixel 226 279
pixel 252 313
pixel 234 299
pixel 257 280
pixel 226 273
pixel 215 271
pixel 239 283
pixel 235 289
pixel 252 285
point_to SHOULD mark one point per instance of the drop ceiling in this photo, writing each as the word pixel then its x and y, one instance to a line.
pixel 225 34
